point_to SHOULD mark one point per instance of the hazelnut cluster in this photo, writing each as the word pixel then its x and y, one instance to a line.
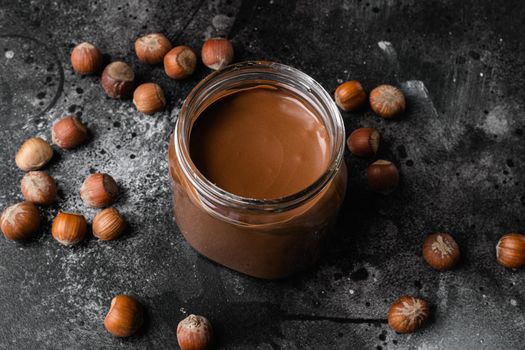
pixel 386 101
pixel 22 220
pixel 118 78
pixel 439 250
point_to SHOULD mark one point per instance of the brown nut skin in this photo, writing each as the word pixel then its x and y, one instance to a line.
pixel 125 316
pixel 407 314
pixel 510 250
pixel 99 190
pixel 441 251
pixel 350 95
pixel 34 154
pixel 364 142
pixel 387 101
pixel 69 228
pixel 149 98
pixel 152 48
pixel 86 59
pixel 118 80
pixel 69 132
pixel 108 224
pixel 194 333
pixel 383 176
pixel 39 188
pixel 217 53
pixel 20 221
pixel 180 62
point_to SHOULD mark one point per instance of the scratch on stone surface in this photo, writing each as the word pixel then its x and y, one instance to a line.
pixel 441 133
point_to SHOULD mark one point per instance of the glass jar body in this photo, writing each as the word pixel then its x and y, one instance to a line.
pixel 268 239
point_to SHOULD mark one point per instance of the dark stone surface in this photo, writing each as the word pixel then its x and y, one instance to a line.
pixel 460 148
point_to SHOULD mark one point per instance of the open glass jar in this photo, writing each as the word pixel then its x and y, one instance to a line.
pixel 265 238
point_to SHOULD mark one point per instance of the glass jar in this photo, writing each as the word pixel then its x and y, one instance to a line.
pixel 268 239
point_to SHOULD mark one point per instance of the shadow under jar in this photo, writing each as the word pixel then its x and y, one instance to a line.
pixel 257 168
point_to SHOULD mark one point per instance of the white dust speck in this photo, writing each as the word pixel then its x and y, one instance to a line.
pixel 480 74
pixel 183 310
pixel 9 54
pixel 513 302
pixel 387 48
pixel 351 291
pixel 339 81
pixel 496 122
pixel 221 22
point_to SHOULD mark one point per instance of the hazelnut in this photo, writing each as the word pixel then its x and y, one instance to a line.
pixel 99 190
pixel 125 316
pixel 149 98
pixel 20 221
pixel 387 101
pixel 217 53
pixel 33 154
pixel 118 80
pixel 441 251
pixel 108 224
pixel 350 95
pixel 364 142
pixel 407 314
pixel 39 188
pixel 69 228
pixel 152 48
pixel 86 59
pixel 69 132
pixel 180 62
pixel 383 176
pixel 194 333
pixel 510 250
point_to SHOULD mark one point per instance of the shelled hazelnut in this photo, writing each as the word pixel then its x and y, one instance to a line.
pixel 20 221
pixel 34 154
pixel 441 251
pixel 149 98
pixel 350 95
pixel 125 316
pixel 217 53
pixel 383 176
pixel 118 80
pixel 39 188
pixel 510 250
pixel 86 59
pixel 180 62
pixel 108 224
pixel 364 142
pixel 407 314
pixel 152 48
pixel 69 132
pixel 194 333
pixel 99 190
pixel 387 101
pixel 69 228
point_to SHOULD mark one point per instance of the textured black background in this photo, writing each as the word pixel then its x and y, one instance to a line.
pixel 460 148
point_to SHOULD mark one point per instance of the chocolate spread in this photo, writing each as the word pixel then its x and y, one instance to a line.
pixel 261 142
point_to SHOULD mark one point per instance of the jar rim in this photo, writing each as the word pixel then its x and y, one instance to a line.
pixel 214 194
